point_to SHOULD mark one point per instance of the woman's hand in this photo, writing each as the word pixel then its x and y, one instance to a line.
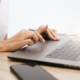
pixel 24 37
pixel 52 33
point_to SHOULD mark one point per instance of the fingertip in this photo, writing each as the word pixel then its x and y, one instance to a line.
pixel 58 38
pixel 47 26
pixel 43 41
pixel 54 38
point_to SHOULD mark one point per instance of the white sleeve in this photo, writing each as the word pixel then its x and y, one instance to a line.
pixel 3 32
pixel 3 18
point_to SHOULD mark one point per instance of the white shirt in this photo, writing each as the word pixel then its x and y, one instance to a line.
pixel 3 18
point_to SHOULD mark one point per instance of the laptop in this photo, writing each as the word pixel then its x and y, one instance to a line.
pixel 63 52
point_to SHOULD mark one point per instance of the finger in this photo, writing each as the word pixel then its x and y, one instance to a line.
pixel 33 36
pixel 50 35
pixel 29 42
pixel 40 37
pixel 42 29
pixel 54 35
pixel 19 45
pixel 35 39
pixel 55 31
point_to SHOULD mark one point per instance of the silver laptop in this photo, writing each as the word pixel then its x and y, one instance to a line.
pixel 64 52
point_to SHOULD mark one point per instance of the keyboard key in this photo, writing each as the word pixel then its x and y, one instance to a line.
pixel 72 58
pixel 78 58
pixel 66 57
pixel 60 56
pixel 54 56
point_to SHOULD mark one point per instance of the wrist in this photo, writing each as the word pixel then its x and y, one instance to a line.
pixel 2 46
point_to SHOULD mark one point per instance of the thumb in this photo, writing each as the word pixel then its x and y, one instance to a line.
pixel 42 29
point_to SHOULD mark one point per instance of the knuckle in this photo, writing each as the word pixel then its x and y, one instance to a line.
pixel 32 33
pixel 54 29
pixel 31 43
pixel 36 32
pixel 42 26
pixel 30 40
pixel 37 39
pixel 22 31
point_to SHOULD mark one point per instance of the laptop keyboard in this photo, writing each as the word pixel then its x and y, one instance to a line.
pixel 68 51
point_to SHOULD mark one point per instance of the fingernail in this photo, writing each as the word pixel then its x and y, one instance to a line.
pixel 57 37
pixel 43 41
pixel 46 26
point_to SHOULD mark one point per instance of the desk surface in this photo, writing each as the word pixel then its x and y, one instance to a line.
pixel 59 73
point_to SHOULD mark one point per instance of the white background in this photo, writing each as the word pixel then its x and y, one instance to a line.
pixel 63 15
